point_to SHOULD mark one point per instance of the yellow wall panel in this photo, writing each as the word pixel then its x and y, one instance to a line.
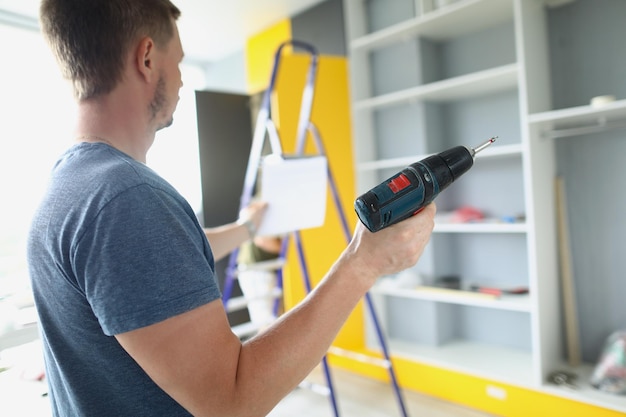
pixel 331 115
pixel 260 51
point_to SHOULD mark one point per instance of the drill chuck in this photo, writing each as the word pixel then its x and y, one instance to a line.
pixel 407 192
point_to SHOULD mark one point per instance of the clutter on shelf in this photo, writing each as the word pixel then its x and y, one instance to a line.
pixel 470 214
pixel 609 374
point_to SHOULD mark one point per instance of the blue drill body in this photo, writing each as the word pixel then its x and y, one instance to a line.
pixel 407 192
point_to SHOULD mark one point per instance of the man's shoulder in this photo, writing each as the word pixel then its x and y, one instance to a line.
pixel 101 166
pixel 89 177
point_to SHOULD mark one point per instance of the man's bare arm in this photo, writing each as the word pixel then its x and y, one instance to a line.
pixel 226 238
pixel 197 359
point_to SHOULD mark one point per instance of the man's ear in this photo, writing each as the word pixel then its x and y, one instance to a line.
pixel 144 58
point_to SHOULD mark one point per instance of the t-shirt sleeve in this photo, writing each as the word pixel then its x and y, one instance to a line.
pixel 143 260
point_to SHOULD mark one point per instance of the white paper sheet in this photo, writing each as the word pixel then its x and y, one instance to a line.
pixel 295 190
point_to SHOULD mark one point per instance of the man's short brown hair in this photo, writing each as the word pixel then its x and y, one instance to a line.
pixel 91 38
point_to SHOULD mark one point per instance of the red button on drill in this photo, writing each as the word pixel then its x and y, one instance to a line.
pixel 399 183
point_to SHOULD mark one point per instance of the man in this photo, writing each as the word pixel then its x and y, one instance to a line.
pixel 131 318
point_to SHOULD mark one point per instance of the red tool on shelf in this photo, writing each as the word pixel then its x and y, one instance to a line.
pixel 499 291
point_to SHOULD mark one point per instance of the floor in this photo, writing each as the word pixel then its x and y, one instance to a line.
pixel 361 397
pixel 356 396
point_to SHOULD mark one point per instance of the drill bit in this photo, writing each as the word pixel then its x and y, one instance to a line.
pixel 482 146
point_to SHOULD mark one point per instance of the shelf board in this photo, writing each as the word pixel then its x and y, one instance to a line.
pixel 519 303
pixel 511 366
pixel 493 152
pixel 481 227
pixel 476 84
pixel 505 365
pixel 579 120
pixel 455 20
pixel 501 364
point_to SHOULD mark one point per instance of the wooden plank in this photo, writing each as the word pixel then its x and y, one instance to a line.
pixel 567 279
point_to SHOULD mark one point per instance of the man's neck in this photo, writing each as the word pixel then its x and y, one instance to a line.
pixel 115 122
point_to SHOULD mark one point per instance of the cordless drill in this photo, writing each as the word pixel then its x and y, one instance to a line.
pixel 408 191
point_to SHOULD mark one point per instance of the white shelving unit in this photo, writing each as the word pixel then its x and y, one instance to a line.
pixel 425 79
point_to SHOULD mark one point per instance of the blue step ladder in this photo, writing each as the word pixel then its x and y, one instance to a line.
pixel 265 127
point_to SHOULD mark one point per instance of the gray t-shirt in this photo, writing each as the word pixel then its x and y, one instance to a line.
pixel 112 248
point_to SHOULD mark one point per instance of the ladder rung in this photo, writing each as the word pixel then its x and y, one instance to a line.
pixel 316 388
pixel 241 302
pixel 271 265
pixel 236 303
pixel 383 363
pixel 246 329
